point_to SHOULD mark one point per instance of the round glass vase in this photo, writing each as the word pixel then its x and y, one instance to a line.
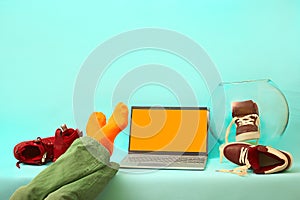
pixel 272 108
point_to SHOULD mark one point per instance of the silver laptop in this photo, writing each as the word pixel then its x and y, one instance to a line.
pixel 167 138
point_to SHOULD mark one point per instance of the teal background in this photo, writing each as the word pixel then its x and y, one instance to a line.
pixel 43 45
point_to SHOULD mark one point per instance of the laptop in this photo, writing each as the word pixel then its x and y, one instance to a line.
pixel 167 138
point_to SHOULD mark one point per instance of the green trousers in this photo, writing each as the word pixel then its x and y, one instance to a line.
pixel 80 173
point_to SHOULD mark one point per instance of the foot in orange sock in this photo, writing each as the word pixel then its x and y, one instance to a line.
pixel 96 121
pixel 116 123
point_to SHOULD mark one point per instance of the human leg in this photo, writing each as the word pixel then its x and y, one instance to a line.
pixel 86 188
pixel 78 162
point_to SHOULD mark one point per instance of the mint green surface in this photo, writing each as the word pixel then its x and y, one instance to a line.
pixel 43 45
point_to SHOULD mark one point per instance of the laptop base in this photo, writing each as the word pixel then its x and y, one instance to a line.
pixel 164 162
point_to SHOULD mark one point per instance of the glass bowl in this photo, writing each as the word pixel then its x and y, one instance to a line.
pixel 272 107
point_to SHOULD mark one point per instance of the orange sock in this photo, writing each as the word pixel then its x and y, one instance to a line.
pixel 96 121
pixel 116 123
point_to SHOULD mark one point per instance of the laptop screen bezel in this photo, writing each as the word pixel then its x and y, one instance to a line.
pixel 168 152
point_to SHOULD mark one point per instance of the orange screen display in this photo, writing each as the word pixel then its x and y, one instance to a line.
pixel 160 129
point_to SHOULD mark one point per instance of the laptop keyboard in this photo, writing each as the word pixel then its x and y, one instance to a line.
pixel 166 159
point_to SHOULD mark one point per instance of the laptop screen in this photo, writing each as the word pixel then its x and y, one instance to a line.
pixel 169 129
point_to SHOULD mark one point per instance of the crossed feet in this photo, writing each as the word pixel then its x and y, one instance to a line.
pixel 106 132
